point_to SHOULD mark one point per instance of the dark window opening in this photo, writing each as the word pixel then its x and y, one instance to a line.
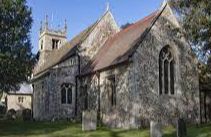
pixel 41 45
pixel 55 43
pixel 166 78
pixel 20 99
pixel 172 76
pixel 42 85
pixel 63 94
pixel 112 90
pixel 69 96
pixel 66 93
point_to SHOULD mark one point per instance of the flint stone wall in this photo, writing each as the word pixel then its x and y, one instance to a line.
pixel 47 92
pixel 47 96
pixel 145 71
pixel 137 83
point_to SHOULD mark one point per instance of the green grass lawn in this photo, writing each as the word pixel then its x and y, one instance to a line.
pixel 66 129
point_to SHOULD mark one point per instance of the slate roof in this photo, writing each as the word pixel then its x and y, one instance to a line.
pixel 117 48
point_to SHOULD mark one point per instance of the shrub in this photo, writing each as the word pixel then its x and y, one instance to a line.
pixel 27 114
pixel 3 109
pixel 11 114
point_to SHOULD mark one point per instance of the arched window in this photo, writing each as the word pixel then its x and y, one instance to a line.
pixel 166 71
pixel 112 89
pixel 66 93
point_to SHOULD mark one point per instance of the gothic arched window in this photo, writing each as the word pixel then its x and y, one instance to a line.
pixel 112 89
pixel 166 71
pixel 66 93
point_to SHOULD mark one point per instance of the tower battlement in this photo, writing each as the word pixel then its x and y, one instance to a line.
pixel 50 40
pixel 44 28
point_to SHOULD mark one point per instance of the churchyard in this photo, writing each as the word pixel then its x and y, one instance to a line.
pixel 146 78
pixel 67 129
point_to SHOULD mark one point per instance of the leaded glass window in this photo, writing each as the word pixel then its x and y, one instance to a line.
pixel 166 71
pixel 66 93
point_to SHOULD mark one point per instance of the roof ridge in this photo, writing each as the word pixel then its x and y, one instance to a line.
pixel 93 26
pixel 113 40
pixel 141 20
pixel 69 46
pixel 128 28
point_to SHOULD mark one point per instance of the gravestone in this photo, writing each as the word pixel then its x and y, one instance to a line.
pixel 155 129
pixel 89 120
pixel 181 128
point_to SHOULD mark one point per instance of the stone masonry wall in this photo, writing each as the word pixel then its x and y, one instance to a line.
pixel 113 116
pixel 47 95
pixel 14 103
pixel 145 72
pixel 104 29
pixel 137 83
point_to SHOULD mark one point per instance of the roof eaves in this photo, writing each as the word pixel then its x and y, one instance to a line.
pixel 81 41
pixel 131 51
pixel 39 75
pixel 92 27
pixel 104 68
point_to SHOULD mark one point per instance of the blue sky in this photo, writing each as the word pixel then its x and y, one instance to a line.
pixel 82 13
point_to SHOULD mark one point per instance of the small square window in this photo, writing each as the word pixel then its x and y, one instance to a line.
pixel 20 99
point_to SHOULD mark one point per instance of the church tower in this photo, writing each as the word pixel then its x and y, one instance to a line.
pixel 50 40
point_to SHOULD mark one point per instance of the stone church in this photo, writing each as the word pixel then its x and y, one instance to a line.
pixel 146 71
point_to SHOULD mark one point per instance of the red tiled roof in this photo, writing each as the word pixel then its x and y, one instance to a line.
pixel 116 48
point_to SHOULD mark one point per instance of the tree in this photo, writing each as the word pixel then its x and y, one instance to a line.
pixel 195 16
pixel 16 58
pixel 124 26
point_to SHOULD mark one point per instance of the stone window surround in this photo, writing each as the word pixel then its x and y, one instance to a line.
pixel 67 86
pixel 166 54
pixel 113 98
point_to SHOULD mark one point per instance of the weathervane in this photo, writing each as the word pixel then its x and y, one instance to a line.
pixel 164 3
pixel 107 6
pixel 65 25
